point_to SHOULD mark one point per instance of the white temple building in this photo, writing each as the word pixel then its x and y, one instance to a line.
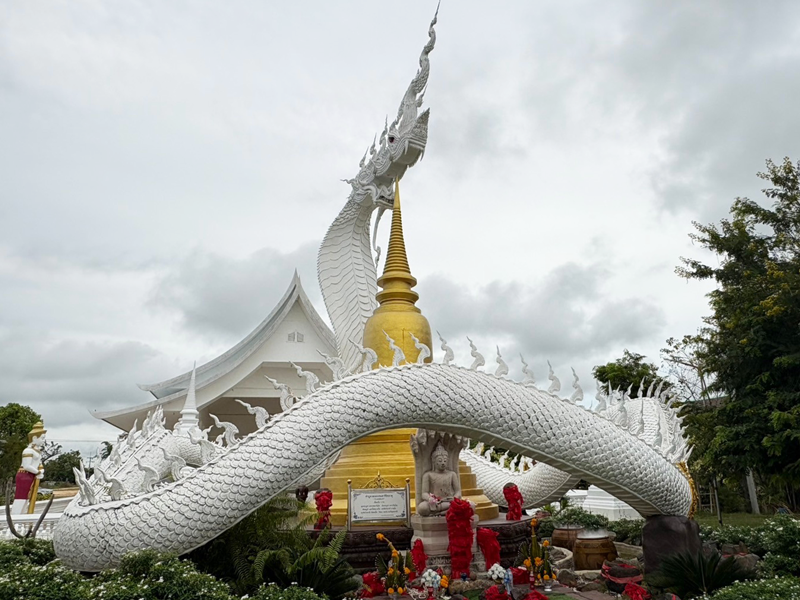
pixel 292 333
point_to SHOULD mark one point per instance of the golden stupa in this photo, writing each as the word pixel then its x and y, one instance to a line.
pixel 387 455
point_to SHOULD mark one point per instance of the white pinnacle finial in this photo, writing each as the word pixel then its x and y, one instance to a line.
pixel 479 360
pixel 448 351
pixel 502 367
pixel 577 395
pixel 398 356
pixel 529 378
pixel 424 351
pixel 189 416
pixel 555 382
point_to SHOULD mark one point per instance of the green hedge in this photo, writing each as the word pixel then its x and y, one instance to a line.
pixel 777 540
pixel 29 570
pixel 786 588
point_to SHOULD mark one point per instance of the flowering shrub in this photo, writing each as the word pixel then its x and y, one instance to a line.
pixel 775 565
pixel 38 552
pixel 781 535
pixel 777 540
pixel 151 575
pixel 786 588
pixel 51 582
pixel 273 592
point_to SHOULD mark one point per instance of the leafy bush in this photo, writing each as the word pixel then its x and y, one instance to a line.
pixel 51 582
pixel 273 592
pixel 151 575
pixel 11 555
pixel 278 524
pixel 578 516
pixel 318 566
pixel 777 540
pixel 691 575
pixel 781 535
pixel 735 534
pixel 37 552
pixel 545 528
pixel 787 588
pixel 777 565
pixel 628 531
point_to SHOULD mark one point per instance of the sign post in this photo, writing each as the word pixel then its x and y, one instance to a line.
pixel 372 505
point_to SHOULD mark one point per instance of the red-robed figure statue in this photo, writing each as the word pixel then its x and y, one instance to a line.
pixel 30 472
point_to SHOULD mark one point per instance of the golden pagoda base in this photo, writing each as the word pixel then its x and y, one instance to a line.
pixel 388 454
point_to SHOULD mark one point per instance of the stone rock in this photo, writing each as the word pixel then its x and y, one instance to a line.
pixel 740 548
pixel 462 587
pixel 592 586
pixel 568 578
pixel 747 561
pixel 620 569
pixel 663 535
pixel 589 575
pixel 709 548
pixel 561 558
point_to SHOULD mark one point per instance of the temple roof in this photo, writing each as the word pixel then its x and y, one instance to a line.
pixel 207 374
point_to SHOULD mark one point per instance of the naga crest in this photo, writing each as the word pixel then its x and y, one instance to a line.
pixel 402 142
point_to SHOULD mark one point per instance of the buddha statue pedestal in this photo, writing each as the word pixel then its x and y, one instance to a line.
pixel 435 541
pixel 437 485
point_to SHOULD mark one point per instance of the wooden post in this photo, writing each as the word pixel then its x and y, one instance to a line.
pixel 408 502
pixel 349 501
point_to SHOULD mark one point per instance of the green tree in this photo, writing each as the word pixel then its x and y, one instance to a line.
pixel 751 341
pixel 16 421
pixel 59 469
pixel 628 372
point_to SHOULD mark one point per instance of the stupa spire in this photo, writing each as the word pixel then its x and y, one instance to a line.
pixel 397 317
pixel 397 279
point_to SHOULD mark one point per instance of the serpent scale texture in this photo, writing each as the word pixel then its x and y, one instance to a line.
pixel 186 514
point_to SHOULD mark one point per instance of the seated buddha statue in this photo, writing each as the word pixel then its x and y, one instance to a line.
pixel 439 485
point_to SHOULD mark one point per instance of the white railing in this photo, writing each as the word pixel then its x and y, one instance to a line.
pixel 24 523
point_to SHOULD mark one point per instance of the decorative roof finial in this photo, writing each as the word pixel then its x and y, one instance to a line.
pixel 189 416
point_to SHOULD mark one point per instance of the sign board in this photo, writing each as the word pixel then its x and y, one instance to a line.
pixel 378 505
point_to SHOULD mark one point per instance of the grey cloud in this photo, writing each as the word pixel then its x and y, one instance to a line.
pixel 220 297
pixel 63 378
pixel 566 315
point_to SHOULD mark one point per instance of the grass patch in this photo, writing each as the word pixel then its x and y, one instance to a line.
pixel 737 519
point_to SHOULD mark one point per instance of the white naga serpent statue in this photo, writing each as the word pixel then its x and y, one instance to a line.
pixel 174 492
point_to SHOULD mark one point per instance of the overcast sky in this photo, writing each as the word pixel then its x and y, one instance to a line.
pixel 164 167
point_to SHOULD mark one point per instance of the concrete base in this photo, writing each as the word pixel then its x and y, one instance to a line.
pixel 435 541
pixel 663 535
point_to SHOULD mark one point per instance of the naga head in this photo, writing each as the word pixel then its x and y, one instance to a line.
pixel 402 142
